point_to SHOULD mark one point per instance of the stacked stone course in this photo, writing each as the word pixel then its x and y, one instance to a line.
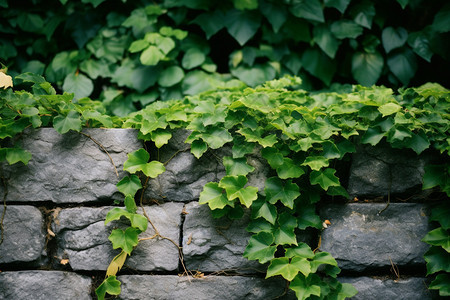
pixel 56 244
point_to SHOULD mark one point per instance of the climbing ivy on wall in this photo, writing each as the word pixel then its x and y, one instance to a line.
pixel 300 134
pixel 131 53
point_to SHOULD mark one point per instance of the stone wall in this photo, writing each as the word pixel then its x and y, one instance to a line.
pixel 55 244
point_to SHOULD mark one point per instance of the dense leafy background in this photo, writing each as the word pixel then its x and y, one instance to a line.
pixel 130 53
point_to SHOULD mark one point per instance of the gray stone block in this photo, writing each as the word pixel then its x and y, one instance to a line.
pixel 212 245
pixel 360 239
pixel 70 168
pixel 23 236
pixel 412 288
pixel 82 238
pixel 44 285
pixel 147 287
pixel 375 170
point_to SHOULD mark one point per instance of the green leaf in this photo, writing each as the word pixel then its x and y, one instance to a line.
pixel 393 38
pixel 138 161
pixel 151 56
pixel 130 204
pixel 242 25
pixel 403 65
pixel 273 157
pixel 288 268
pixel 255 75
pixel 14 155
pixel 438 237
pixel 316 162
pixel 340 5
pixel 303 287
pixel 307 217
pixel 325 179
pixel 420 43
pixel 275 190
pixel 237 166
pixel 403 3
pixel 105 120
pixel 389 109
pixel 308 9
pixel 211 22
pixel 441 283
pixel 194 57
pixel 245 4
pixel 137 221
pixel 367 67
pixel 285 233
pixel 343 29
pixel 437 260
pixel 234 186
pixel 440 214
pixel 275 14
pixel 441 21
pixel 71 121
pixel 171 76
pixel 213 195
pixel 129 185
pixel 242 148
pixel 326 41
pixel 302 250
pixel 110 285
pixel 321 258
pixel 263 209
pixel 319 64
pixel 260 247
pixel 435 175
pixel 198 147
pixel 289 169
pixel 216 137
pixel 161 137
pixel 256 137
pixel 372 136
pixel 125 240
pixel 363 13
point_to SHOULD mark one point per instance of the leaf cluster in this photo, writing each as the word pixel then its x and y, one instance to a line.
pixel 131 53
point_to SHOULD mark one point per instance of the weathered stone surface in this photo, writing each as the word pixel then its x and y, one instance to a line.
pixel 23 236
pixel 44 285
pixel 146 287
pixel 186 175
pixel 212 245
pixel 412 288
pixel 71 167
pixel 375 170
pixel 83 239
pixel 361 239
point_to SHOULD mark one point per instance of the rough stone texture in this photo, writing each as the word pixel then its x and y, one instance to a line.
pixel 83 239
pixel 412 288
pixel 186 175
pixel 24 237
pixel 44 285
pixel 146 287
pixel 212 245
pixel 70 168
pixel 373 168
pixel 360 239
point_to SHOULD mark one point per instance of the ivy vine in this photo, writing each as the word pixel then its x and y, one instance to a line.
pixel 300 134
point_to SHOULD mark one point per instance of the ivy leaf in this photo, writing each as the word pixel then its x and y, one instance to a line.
pixel 419 142
pixel 308 9
pixel 198 147
pixel 242 25
pixel 316 162
pixel 171 76
pixel 393 38
pixel 303 287
pixel 363 13
pixel 216 137
pixel 263 209
pixel 438 237
pixel 71 121
pixel 161 137
pixel 194 57
pixel 389 109
pixel 275 14
pixel 340 5
pixel 307 217
pixel 130 204
pixel 289 169
pixel 138 161
pixel 441 283
pixel 325 179
pixel 260 247
pixel 79 84
pixel 110 285
pixel 242 148
pixel 273 157
pixel 213 195
pixel 237 166
pixel 105 120
pixel 151 56
pixel 403 65
pixel 14 155
pixel 255 136
pixel 275 190
pixel 346 29
pixel 288 268
pixel 440 214
pixel 137 221
pixel 259 225
pixel 210 22
pixel 437 260
pixel 441 21
pixel 372 136
pixel 326 41
pixel 129 185
pixel 116 264
pixel 367 67
pixel 302 250
pixel 319 64
pixel 234 186
pixel 125 240
pixel 321 258
pixel 285 233
pixel 435 175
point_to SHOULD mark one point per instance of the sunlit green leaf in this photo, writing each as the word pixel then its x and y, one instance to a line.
pixel 129 185
pixel 303 287
pixel 288 268
pixel 110 285
pixel 260 247
pixel 325 178
pixel 263 209
pixel 170 76
pixel 213 195
pixel 285 231
pixel 125 240
pixel 237 166
pixel 71 121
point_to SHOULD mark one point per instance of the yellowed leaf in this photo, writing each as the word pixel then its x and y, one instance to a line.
pixel 64 261
pixel 5 81
pixel 116 264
